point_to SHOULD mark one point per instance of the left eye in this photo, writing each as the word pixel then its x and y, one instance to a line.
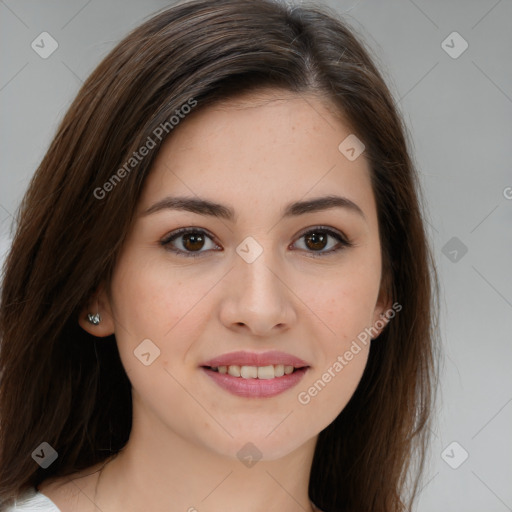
pixel 317 238
pixel 192 240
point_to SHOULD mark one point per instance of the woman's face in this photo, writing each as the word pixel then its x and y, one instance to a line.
pixel 267 278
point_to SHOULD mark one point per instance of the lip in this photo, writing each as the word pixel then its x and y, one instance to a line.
pixel 244 358
pixel 255 388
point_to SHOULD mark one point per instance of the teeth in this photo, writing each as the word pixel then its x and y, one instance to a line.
pixel 249 372
pixel 234 370
pixel 265 372
pixel 288 369
pixel 256 372
pixel 279 370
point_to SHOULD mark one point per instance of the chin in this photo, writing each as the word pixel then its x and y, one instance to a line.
pixel 251 445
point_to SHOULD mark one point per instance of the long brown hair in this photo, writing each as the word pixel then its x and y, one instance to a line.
pixel 65 387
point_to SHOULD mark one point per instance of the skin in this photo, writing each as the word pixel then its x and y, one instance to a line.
pixel 255 153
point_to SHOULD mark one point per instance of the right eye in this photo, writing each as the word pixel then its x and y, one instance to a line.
pixel 191 240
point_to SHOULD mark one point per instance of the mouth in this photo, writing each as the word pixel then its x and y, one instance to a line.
pixel 255 381
pixel 255 374
pixel 267 372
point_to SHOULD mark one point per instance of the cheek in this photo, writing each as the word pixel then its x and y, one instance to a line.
pixel 154 301
pixel 345 304
pixel 344 301
pixel 342 353
pixel 151 297
pixel 329 390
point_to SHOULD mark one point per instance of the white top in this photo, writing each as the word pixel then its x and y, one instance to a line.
pixel 33 501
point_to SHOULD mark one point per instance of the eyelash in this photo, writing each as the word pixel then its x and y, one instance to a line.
pixel 343 242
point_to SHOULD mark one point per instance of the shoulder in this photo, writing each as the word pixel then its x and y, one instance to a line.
pixel 33 501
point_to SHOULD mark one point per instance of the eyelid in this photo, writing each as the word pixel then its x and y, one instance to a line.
pixel 189 229
pixel 335 233
pixel 343 240
pixel 165 242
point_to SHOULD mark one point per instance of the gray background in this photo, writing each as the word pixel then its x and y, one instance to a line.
pixel 458 111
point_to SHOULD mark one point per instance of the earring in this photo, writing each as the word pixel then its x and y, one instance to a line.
pixel 94 319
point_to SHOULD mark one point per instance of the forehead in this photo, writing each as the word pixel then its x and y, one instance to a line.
pixel 270 148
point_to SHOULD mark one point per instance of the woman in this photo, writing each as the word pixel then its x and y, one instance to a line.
pixel 220 294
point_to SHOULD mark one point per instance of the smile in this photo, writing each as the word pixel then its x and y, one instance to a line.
pixel 255 381
pixel 255 372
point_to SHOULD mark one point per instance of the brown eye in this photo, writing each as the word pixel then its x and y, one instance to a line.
pixel 188 242
pixel 317 239
pixel 193 241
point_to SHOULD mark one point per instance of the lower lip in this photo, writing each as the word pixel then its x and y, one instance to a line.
pixel 256 388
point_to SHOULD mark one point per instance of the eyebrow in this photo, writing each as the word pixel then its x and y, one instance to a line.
pixel 213 209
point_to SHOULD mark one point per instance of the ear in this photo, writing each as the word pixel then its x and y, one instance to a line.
pixel 98 304
pixel 381 313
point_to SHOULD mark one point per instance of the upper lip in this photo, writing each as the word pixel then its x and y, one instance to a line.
pixel 244 358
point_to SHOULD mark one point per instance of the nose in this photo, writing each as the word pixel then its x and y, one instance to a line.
pixel 256 298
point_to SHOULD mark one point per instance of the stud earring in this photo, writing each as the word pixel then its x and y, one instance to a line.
pixel 94 319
